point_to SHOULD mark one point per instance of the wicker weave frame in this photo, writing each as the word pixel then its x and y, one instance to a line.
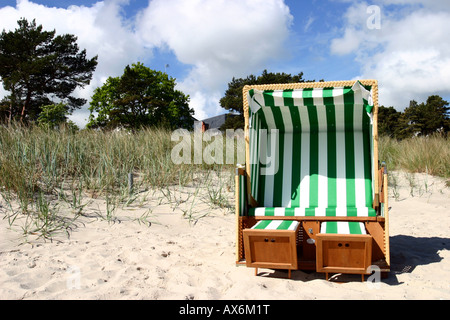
pixel 313 85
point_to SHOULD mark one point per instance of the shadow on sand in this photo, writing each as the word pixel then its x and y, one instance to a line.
pixel 407 252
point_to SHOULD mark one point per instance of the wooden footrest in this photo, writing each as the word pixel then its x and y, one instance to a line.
pixel 343 247
pixel 272 244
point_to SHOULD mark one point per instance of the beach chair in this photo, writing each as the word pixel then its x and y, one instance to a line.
pixel 312 194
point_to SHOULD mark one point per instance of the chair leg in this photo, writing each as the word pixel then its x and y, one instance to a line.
pixel 256 271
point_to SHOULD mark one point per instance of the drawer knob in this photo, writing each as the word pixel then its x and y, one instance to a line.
pixel 273 240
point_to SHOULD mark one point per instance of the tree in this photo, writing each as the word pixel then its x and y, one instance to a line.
pixel 438 117
pixel 36 66
pixel 141 97
pixel 391 122
pixel 428 118
pixel 418 119
pixel 54 116
pixel 233 100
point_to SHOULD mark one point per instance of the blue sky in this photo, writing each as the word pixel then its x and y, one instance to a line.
pixel 404 44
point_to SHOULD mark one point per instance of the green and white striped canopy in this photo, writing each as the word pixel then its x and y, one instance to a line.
pixel 313 109
pixel 320 155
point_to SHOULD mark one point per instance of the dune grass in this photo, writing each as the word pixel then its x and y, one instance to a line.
pixel 419 154
pixel 42 169
pixel 34 159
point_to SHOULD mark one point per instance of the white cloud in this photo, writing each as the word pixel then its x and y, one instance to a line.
pixel 349 43
pixel 409 55
pixel 220 39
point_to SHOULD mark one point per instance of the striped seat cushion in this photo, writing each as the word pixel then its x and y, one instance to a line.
pixel 342 227
pixel 276 225
pixel 320 159
pixel 312 212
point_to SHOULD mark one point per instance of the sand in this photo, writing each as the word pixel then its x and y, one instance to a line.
pixel 174 257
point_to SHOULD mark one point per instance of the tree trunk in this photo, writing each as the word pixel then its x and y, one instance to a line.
pixel 10 112
pixel 25 105
pixel 22 114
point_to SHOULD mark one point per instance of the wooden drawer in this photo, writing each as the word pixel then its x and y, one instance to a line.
pixel 272 249
pixel 343 253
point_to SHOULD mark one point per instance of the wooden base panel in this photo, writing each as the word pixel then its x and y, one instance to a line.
pixel 309 250
pixel 338 253
pixel 272 249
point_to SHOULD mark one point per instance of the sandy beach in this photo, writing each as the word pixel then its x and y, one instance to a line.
pixel 151 250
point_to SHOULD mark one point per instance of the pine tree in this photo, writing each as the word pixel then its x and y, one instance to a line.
pixel 36 66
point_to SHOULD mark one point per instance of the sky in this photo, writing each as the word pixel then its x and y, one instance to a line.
pixel 203 44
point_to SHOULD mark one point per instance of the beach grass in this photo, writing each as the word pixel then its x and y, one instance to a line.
pixel 41 170
pixel 420 154
pixel 40 167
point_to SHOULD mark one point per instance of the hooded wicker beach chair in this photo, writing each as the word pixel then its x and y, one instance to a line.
pixel 312 194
